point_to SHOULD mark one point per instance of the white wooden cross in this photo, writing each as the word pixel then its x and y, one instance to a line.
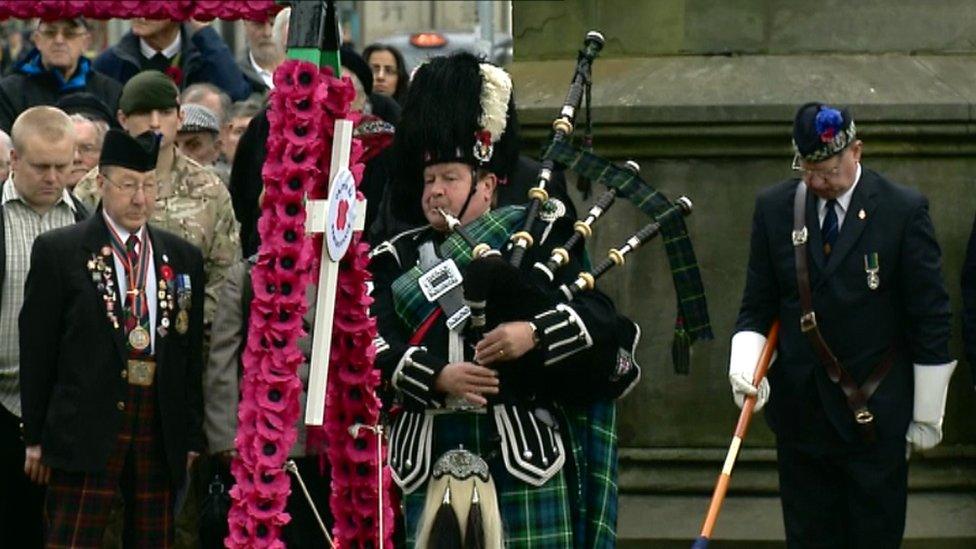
pixel 336 230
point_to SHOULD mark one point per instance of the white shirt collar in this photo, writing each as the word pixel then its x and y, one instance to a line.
pixel 265 75
pixel 10 193
pixel 122 232
pixel 169 51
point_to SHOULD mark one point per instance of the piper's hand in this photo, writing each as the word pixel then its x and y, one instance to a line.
pixel 743 387
pixel 923 435
pixel 508 341
pixel 33 468
pixel 190 458
pixel 468 381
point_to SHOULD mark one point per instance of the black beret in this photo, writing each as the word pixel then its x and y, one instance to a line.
pixel 821 131
pixel 147 91
pixel 135 153
pixel 87 105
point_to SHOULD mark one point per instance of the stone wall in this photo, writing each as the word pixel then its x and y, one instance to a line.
pixel 717 128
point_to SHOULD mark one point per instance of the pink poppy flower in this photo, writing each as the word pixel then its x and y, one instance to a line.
pixel 269 481
pixel 361 449
pixel 274 397
pixel 352 373
pixel 294 75
pixel 205 10
pixel 265 509
pixel 240 525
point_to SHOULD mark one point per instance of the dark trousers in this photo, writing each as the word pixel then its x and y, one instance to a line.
pixel 838 496
pixel 303 530
pixel 21 501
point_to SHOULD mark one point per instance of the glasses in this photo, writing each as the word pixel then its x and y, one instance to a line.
pixel 68 33
pixel 806 174
pixel 129 188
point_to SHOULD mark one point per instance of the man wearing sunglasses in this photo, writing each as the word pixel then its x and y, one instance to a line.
pixel 849 263
pixel 54 69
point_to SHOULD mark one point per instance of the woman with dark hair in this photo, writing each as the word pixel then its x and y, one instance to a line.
pixel 389 71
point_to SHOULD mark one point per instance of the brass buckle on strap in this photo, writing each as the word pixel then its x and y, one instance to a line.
pixel 140 372
pixel 863 416
pixel 800 237
pixel 808 322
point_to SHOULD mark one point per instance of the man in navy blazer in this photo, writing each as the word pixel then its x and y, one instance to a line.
pixel 880 307
pixel 110 337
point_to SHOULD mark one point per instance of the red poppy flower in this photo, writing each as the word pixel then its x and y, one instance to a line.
pixel 167 272
pixel 176 74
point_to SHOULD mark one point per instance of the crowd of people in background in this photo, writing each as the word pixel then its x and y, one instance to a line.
pixel 179 82
pixel 131 196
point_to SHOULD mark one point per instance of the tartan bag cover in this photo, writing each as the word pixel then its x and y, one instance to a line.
pixel 692 307
pixel 492 228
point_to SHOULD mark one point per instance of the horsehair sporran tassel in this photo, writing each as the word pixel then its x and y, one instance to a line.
pixel 474 532
pixel 445 531
pixel 460 480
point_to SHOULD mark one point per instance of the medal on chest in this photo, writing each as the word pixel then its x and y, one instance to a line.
pixel 871 267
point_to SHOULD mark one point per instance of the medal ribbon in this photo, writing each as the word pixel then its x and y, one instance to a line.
pixel 135 276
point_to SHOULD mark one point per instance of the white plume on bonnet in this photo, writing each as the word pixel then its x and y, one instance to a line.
pixel 495 94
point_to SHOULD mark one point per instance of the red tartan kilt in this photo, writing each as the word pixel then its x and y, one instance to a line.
pixel 79 504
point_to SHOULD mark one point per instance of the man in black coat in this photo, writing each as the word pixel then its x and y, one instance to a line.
pixel 880 305
pixel 110 338
pixel 54 69
pixel 969 302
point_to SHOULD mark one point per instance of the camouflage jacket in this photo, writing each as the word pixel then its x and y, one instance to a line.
pixel 194 204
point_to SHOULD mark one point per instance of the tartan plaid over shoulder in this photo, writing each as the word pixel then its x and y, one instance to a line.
pixel 692 307
pixel 493 228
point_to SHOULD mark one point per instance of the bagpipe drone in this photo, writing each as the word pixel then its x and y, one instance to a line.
pixel 487 271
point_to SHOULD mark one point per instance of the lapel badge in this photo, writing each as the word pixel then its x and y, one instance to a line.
pixel 871 267
pixel 862 214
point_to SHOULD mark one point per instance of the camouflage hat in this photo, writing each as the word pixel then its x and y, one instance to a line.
pixel 197 118
pixel 147 91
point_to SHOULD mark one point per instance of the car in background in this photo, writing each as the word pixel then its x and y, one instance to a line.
pixel 418 47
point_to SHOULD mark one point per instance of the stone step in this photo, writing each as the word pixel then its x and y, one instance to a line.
pixel 935 520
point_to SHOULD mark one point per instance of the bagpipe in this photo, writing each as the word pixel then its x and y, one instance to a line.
pixel 498 291
pixel 558 294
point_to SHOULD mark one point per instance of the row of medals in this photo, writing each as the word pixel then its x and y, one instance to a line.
pixel 139 337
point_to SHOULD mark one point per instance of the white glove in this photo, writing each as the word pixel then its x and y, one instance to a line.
pixel 746 348
pixel 931 386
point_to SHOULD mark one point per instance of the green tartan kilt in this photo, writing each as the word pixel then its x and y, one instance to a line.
pixel 532 517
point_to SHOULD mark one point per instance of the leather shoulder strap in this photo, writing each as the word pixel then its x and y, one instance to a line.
pixel 857 397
